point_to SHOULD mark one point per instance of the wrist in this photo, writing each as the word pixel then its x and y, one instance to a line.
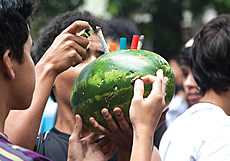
pixel 45 70
pixel 142 145
pixel 144 129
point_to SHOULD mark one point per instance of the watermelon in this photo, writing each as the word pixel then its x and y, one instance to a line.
pixel 106 83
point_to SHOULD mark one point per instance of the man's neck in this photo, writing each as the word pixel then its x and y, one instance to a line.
pixel 3 115
pixel 66 121
pixel 4 106
pixel 2 122
pixel 222 100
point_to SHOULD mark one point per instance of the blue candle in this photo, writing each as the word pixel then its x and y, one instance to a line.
pixel 123 43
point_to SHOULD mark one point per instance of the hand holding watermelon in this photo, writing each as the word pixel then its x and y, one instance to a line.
pixel 145 114
pixel 121 135
pixel 86 148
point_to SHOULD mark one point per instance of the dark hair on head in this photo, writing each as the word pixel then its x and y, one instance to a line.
pixel 57 25
pixel 185 55
pixel 14 26
pixel 121 27
pixel 211 55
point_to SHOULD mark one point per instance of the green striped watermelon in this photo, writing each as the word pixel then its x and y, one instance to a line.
pixel 106 82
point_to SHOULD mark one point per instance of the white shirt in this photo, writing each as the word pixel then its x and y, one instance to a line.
pixel 202 133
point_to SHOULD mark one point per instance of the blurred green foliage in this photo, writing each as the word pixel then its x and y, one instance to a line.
pixel 164 28
pixel 47 9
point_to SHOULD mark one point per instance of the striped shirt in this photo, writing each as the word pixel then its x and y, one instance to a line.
pixel 9 151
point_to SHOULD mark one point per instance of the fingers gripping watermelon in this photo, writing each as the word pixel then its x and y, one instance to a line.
pixel 106 82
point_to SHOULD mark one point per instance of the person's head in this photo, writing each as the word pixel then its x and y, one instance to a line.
pixel 189 84
pixel 120 27
pixel 15 48
pixel 211 55
pixel 64 81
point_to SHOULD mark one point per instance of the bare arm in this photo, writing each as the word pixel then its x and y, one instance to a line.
pixel 67 50
pixel 145 114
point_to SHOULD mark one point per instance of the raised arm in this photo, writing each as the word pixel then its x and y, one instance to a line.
pixel 67 50
pixel 145 114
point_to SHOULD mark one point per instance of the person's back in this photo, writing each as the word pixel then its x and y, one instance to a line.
pixel 202 132
pixel 15 62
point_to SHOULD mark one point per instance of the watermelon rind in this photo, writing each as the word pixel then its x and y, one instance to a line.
pixel 106 83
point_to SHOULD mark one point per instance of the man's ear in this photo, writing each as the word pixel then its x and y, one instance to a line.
pixel 8 64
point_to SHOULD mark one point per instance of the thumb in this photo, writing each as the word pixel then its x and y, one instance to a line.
pixel 138 89
pixel 76 27
pixel 77 128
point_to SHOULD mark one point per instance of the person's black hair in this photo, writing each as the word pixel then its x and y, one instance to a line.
pixel 56 26
pixel 184 57
pixel 211 55
pixel 14 26
pixel 120 27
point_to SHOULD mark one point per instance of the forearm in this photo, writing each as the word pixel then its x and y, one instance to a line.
pixel 142 145
pixel 22 126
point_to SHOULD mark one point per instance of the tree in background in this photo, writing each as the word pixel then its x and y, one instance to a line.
pixel 164 30
pixel 159 20
pixel 47 9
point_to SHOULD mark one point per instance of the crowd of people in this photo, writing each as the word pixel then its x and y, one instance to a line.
pixel 200 133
